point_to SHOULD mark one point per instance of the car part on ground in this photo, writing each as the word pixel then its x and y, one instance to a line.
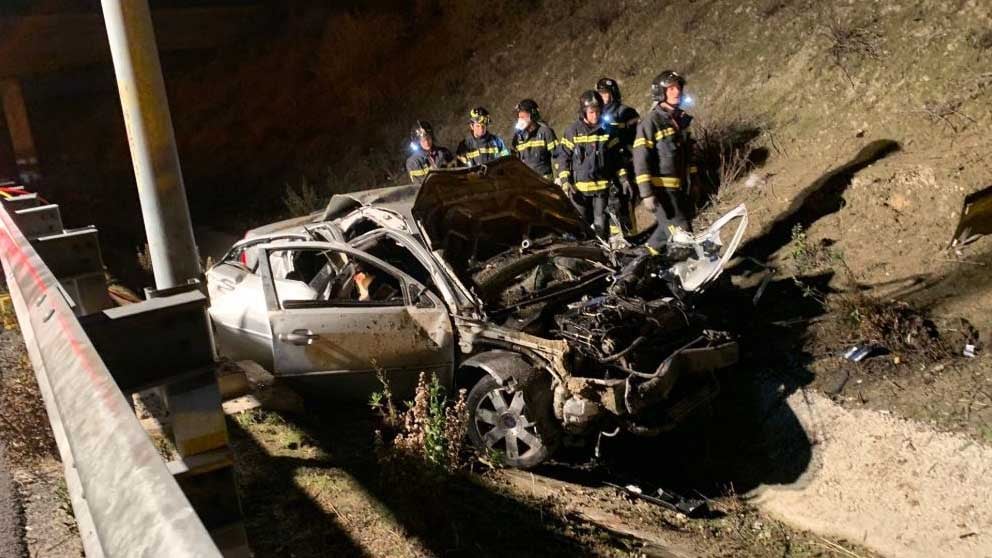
pixel 666 499
pixel 976 217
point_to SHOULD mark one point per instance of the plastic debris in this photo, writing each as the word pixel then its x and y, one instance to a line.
pixel 666 499
pixel 858 353
pixel 969 350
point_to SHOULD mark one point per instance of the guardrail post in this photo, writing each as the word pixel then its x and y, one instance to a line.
pixel 73 256
pixel 123 496
pixel 170 345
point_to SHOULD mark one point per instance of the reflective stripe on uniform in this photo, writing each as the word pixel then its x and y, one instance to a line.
pixel 660 134
pixel 532 144
pixel 693 169
pixel 590 139
pixel 564 175
pixel 643 178
pixel 480 151
pixel 666 182
pixel 643 142
pixel 592 185
pixel 567 143
pixel 419 172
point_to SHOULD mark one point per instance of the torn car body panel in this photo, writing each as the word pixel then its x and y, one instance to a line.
pixel 976 217
pixel 495 262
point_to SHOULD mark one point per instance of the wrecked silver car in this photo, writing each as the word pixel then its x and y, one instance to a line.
pixel 488 278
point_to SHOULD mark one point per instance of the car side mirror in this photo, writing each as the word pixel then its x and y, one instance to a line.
pixel 419 297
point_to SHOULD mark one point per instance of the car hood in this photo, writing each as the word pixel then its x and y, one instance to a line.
pixel 475 213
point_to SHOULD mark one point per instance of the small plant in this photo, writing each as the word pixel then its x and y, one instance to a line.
pixel 801 252
pixel 725 151
pixel 850 41
pixel 382 401
pixel 434 431
pixel 65 504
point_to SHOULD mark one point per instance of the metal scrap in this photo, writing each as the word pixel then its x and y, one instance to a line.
pixel 858 353
pixel 666 499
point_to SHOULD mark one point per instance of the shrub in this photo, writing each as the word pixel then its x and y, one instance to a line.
pixel 430 433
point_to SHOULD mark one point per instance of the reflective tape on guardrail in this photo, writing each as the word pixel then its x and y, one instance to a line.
pixel 124 498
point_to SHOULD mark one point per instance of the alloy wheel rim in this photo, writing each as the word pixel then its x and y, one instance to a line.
pixel 501 420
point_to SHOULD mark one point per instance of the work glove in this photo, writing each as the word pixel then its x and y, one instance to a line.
pixel 628 187
pixel 650 203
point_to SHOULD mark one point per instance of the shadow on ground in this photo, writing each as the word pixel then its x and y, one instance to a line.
pixel 821 198
pixel 280 518
pixel 457 515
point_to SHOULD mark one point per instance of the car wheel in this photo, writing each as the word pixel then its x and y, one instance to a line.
pixel 516 425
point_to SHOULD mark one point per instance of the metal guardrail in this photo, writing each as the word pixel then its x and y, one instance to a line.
pixel 126 501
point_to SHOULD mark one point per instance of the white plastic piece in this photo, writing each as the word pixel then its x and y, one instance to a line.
pixel 699 271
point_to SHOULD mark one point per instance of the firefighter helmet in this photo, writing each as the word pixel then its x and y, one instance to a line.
pixel 663 81
pixel 421 129
pixel 530 107
pixel 589 99
pixel 610 86
pixel 479 115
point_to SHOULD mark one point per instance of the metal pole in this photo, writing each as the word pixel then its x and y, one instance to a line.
pixel 16 112
pixel 153 144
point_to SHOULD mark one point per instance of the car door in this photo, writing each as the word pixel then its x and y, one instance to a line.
pixel 342 344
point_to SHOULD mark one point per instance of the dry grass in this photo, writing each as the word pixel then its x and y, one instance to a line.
pixel 726 149
pixel 23 418
pixel 850 42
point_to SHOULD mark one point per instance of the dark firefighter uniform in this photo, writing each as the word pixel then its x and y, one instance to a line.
pixel 537 148
pixel 422 162
pixel 663 167
pixel 473 151
pixel 621 121
pixel 589 159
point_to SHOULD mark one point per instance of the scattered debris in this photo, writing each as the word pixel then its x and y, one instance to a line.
pixel 666 499
pixel 858 353
pixel 969 350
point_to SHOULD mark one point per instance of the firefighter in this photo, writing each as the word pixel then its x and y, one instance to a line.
pixel 618 117
pixel 426 156
pixel 588 159
pixel 480 147
pixel 663 160
pixel 534 141
pixel 621 121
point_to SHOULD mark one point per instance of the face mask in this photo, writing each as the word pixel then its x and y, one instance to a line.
pixel 521 124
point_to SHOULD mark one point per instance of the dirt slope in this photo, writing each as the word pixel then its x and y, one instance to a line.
pixel 892 485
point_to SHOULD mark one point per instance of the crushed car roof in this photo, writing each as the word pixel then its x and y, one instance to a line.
pixel 396 198
pixel 504 201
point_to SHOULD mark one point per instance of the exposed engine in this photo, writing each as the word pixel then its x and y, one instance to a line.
pixel 615 336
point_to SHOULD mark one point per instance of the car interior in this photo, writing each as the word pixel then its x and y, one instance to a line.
pixel 320 278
